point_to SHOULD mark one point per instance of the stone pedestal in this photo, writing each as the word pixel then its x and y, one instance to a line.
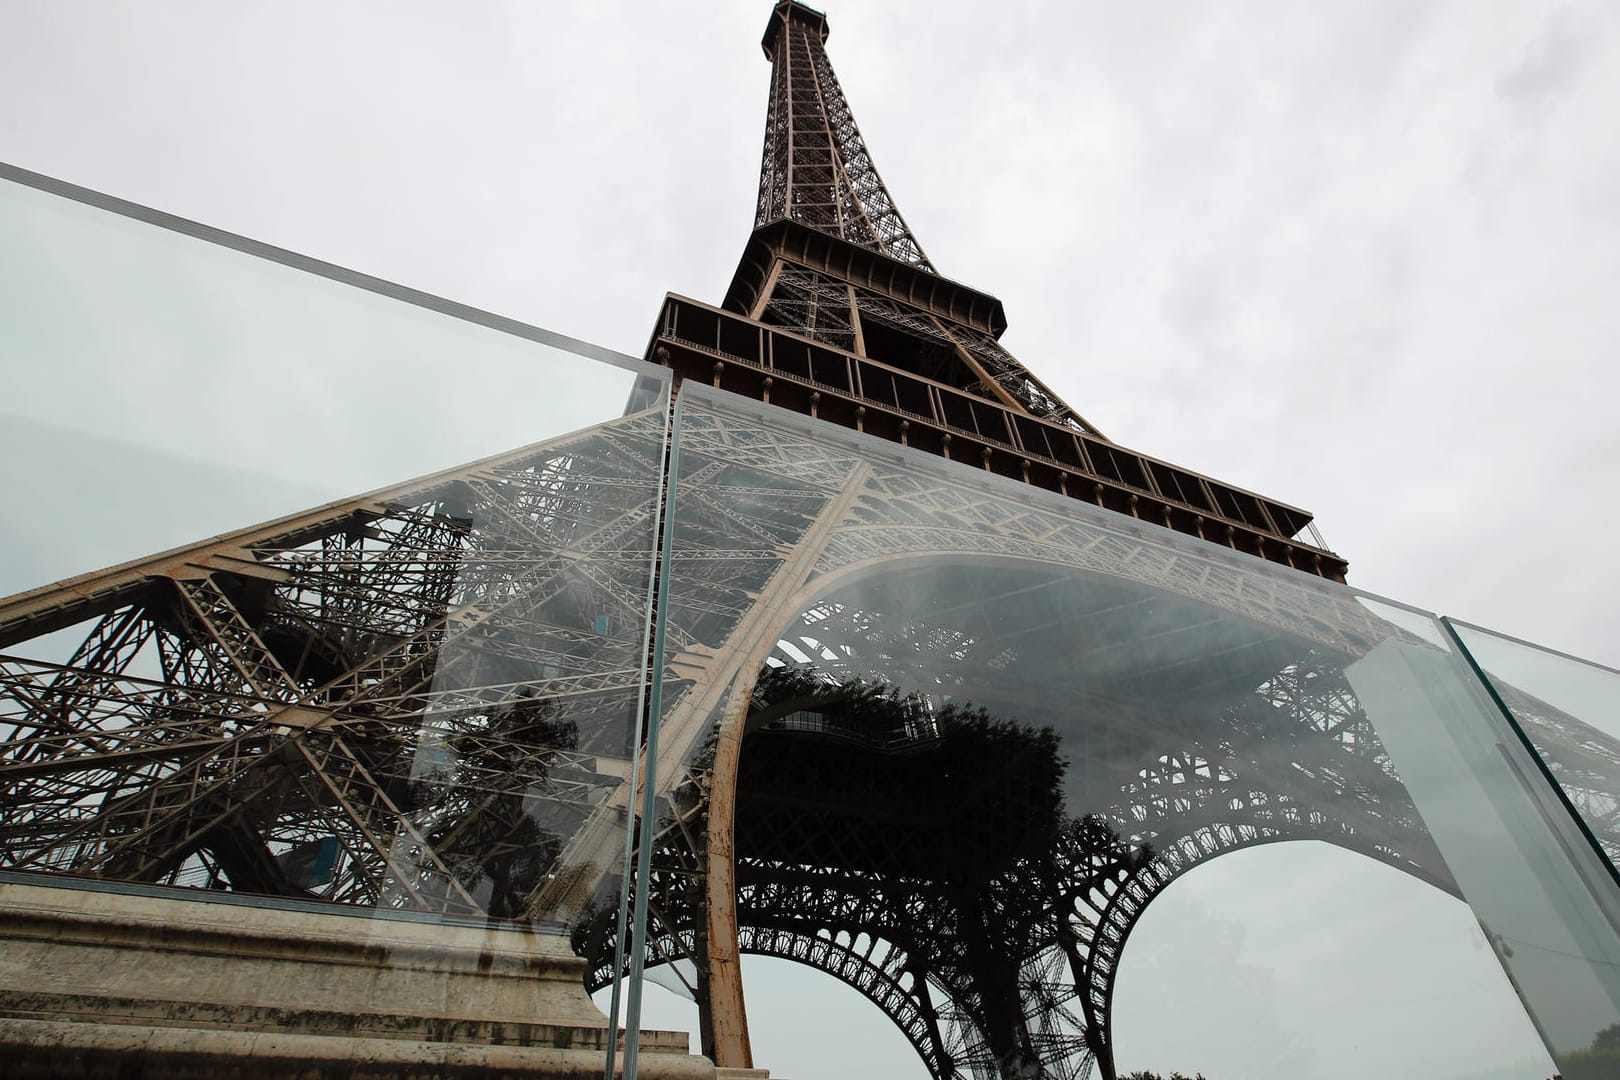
pixel 122 984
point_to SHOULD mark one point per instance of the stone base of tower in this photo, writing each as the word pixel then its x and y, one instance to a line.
pixel 101 984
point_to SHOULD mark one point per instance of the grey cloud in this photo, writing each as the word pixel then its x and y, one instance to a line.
pixel 1195 302
pixel 1548 71
pixel 1551 65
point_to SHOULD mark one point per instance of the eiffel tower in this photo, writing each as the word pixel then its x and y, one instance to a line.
pixel 835 312
pixel 948 686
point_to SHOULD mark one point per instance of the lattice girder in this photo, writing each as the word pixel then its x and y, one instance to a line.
pixel 816 166
pixel 816 171
pixel 424 683
pixel 1584 760
pixel 1185 759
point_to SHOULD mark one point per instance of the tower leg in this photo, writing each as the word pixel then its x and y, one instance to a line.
pixel 725 1015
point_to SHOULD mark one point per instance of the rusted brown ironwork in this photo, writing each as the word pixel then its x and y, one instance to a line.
pixel 835 312
pixel 805 831
pixel 866 394
pixel 365 703
pixel 417 698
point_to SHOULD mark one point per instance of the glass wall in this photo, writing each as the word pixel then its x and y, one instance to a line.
pixel 1055 789
pixel 1569 710
pixel 407 694
pixel 968 732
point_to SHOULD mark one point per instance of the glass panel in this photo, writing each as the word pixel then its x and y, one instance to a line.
pixel 420 695
pixel 1569 709
pixel 161 388
pixel 971 732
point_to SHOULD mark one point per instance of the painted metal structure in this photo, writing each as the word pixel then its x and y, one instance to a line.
pixel 420 699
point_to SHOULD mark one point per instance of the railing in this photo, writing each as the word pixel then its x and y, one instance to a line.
pixel 776 366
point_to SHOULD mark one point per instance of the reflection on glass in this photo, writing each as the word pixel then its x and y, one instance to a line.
pixel 1570 711
pixel 419 697
pixel 1328 964
pixel 968 733
pixel 1567 710
pixel 980 858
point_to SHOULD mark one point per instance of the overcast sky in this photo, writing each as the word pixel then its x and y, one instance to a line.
pixel 1361 258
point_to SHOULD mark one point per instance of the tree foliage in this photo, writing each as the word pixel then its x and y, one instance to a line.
pixel 1600 1061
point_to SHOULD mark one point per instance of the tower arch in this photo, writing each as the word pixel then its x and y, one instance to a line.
pixel 1249 680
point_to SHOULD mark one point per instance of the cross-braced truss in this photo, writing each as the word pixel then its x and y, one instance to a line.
pixel 420 699
pixel 1012 728
pixel 1203 706
pixel 817 169
pixel 817 173
pixel 1584 760
pixel 412 699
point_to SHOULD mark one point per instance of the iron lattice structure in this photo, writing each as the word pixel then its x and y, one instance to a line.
pixel 818 173
pixel 817 169
pixel 422 698
pixel 1584 761
pixel 409 699
pixel 853 841
pixel 835 311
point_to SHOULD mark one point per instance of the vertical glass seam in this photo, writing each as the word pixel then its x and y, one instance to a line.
pixel 1541 765
pixel 641 731
pixel 649 778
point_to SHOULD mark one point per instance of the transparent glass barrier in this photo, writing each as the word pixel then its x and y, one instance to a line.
pixel 976 739
pixel 1569 710
pixel 394 653
pixel 160 388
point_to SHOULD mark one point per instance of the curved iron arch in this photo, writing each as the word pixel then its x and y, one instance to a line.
pixel 1109 929
pixel 869 525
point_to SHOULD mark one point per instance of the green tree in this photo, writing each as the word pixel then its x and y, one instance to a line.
pixel 1600 1061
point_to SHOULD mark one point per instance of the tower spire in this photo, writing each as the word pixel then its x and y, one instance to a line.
pixel 832 259
pixel 816 168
